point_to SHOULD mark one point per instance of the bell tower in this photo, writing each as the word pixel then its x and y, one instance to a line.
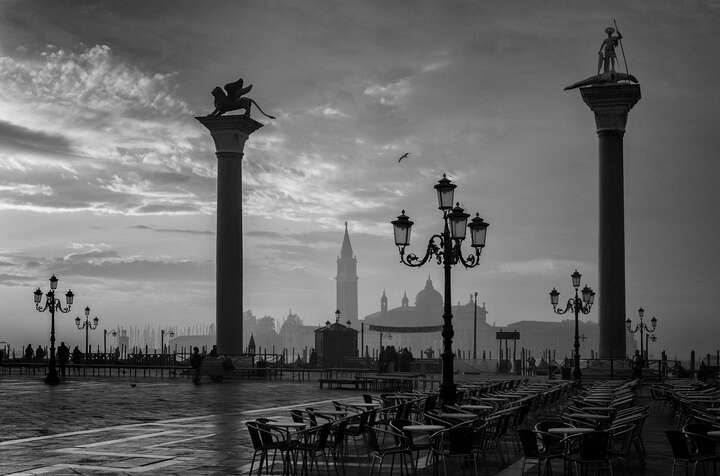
pixel 346 280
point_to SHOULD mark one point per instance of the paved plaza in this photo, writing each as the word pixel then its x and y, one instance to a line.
pixel 93 426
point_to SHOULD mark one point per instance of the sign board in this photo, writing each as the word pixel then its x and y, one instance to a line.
pixel 507 335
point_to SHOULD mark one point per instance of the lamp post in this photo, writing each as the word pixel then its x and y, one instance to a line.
pixel 576 305
pixel 52 304
pixel 105 333
pixel 162 339
pixel 446 249
pixel 88 325
pixel 642 327
pixel 475 328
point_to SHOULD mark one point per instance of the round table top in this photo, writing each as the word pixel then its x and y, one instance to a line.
pixel 599 409
pixel 286 424
pixel 714 433
pixel 477 407
pixel 423 427
pixel 456 415
pixel 363 404
pixel 714 409
pixel 589 415
pixel 570 430
pixel 330 412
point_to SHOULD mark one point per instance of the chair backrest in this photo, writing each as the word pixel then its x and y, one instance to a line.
pixel 457 440
pixel 367 398
pixel 430 403
pixel 255 437
pixel 297 416
pixel 678 443
pixel 701 443
pixel 699 428
pixel 594 446
pixel 528 440
pixel 621 439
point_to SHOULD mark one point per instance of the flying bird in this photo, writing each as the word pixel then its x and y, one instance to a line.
pixel 404 156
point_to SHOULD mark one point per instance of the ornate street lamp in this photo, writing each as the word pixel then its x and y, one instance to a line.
pixel 88 325
pixel 446 249
pixel 577 305
pixel 52 304
pixel 642 327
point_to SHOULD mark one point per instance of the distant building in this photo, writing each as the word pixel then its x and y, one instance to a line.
pixel 347 281
pixel 295 335
pixel 536 336
pixel 427 311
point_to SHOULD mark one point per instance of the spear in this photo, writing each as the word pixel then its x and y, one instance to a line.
pixel 622 50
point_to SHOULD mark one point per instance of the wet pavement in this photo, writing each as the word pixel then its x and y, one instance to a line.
pixel 120 426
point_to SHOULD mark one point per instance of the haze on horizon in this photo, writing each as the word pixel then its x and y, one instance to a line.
pixel 108 181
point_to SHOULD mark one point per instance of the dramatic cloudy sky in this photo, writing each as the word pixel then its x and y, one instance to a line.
pixel 108 181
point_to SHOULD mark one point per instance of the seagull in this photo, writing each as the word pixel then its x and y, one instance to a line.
pixel 404 156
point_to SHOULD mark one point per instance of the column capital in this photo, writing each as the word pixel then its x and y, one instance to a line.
pixel 229 133
pixel 611 104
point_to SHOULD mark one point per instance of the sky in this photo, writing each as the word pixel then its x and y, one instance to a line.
pixel 108 181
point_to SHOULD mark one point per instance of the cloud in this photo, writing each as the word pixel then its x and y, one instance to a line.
pixel 94 115
pixel 539 266
pixel 174 230
pixel 391 93
pixel 19 138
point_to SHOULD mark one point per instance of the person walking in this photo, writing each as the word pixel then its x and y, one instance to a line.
pixel 63 354
pixel 196 362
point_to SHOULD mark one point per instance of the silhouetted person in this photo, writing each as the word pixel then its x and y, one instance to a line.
pixel 637 363
pixel 63 354
pixel 39 353
pixel 29 352
pixel 196 363
pixel 531 365
pixel 213 352
pixel 313 359
pixel 76 358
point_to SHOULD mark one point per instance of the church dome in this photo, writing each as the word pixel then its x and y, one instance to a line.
pixel 429 298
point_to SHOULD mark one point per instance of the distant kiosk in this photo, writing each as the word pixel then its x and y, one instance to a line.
pixel 335 343
pixel 504 364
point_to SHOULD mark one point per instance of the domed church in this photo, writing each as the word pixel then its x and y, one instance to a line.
pixel 427 311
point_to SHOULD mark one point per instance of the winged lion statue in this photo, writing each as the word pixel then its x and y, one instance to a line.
pixel 233 98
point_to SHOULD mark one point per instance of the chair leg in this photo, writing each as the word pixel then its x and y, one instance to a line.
pixel 252 462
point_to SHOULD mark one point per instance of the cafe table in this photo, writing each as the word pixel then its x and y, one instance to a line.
pixel 423 428
pixel 477 407
pixel 457 415
pixel 572 430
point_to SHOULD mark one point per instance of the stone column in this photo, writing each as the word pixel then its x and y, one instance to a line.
pixel 611 104
pixel 229 134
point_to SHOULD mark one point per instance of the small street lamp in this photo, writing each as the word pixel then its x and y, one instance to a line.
pixel 105 333
pixel 446 249
pixel 162 339
pixel 642 327
pixel 577 305
pixel 88 325
pixel 52 304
